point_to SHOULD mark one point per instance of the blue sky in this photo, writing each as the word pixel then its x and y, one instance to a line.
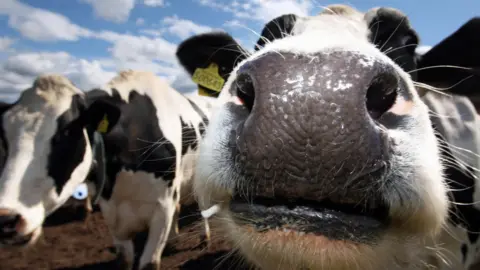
pixel 88 40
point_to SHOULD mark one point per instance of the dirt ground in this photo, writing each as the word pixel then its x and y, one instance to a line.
pixel 73 242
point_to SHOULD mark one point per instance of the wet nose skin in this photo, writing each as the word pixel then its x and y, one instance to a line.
pixel 314 126
pixel 8 223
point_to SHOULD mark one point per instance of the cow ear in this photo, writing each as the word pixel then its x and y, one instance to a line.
pixel 210 58
pixel 101 116
pixel 277 28
pixel 460 49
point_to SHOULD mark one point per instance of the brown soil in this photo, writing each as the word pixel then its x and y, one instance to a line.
pixel 73 240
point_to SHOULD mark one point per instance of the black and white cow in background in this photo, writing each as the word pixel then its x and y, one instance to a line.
pixel 150 135
pixel 456 62
pixel 321 154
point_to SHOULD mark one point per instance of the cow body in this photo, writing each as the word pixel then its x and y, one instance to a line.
pixel 457 123
pixel 150 160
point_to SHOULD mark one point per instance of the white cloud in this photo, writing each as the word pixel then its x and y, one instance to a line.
pixel 40 25
pixel 19 71
pixel 423 49
pixel 148 51
pixel 116 11
pixel 233 24
pixel 153 32
pixel 261 10
pixel 5 44
pixel 154 3
pixel 183 28
pixel 140 21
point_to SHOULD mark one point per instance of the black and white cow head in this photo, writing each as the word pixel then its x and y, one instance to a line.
pixel 46 140
pixel 320 153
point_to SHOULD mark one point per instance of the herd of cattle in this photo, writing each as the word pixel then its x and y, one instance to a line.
pixel 333 145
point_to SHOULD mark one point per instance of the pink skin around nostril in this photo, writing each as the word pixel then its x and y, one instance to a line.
pixel 21 225
pixel 401 106
pixel 237 100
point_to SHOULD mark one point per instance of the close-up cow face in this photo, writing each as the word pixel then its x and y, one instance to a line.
pixel 320 153
pixel 47 153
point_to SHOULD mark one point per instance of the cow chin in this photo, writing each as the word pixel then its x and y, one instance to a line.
pixel 274 234
pixel 26 241
pixel 283 249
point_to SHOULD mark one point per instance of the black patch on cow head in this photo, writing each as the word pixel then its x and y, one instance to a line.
pixel 277 28
pixel 217 47
pixel 69 139
pixel 136 142
pixel 459 49
pixel 391 32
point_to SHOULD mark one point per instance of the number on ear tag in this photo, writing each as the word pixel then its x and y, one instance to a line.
pixel 81 192
pixel 209 78
pixel 103 125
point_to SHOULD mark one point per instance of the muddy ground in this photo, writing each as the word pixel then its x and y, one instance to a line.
pixel 75 241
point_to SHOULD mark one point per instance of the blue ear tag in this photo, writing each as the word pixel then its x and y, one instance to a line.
pixel 81 192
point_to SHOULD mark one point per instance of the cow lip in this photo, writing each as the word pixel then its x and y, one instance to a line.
pixel 17 241
pixel 336 221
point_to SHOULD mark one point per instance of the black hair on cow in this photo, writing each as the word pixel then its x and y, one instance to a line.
pixel 277 28
pixel 462 48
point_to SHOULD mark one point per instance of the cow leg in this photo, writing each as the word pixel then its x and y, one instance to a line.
pixel 207 233
pixel 175 218
pixel 124 247
pixel 174 232
pixel 125 253
pixel 160 226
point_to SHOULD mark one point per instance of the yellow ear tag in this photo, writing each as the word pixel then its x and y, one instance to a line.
pixel 103 125
pixel 209 78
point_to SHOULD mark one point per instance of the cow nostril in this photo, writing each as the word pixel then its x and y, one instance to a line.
pixel 245 90
pixel 8 223
pixel 381 95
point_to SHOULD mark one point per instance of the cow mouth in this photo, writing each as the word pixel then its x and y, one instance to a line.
pixel 17 240
pixel 360 223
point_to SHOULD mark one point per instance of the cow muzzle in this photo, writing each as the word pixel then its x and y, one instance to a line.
pixel 12 225
pixel 314 150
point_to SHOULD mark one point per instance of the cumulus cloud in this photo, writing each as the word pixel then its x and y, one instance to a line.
pixel 183 28
pixel 40 25
pixel 140 21
pixel 233 23
pixel 147 51
pixel 6 43
pixel 19 71
pixel 261 10
pixel 116 11
pixel 154 3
